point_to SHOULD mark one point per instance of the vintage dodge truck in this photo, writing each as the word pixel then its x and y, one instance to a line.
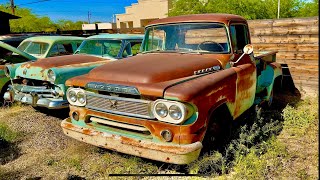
pixel 42 83
pixel 195 75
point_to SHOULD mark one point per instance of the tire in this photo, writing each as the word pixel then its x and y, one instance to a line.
pixel 218 131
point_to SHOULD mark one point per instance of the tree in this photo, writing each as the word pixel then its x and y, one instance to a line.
pixel 28 22
pixel 250 9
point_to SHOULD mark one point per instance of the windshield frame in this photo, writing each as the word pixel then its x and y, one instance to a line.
pixel 150 27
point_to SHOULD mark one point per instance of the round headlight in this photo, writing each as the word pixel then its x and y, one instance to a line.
pixel 51 75
pixel 161 110
pixel 7 71
pixel 72 96
pixel 81 97
pixel 175 112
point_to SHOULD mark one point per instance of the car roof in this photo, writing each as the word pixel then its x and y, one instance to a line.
pixel 117 36
pixel 210 17
pixel 51 39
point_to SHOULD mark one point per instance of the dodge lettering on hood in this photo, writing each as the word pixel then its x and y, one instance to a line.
pixel 177 98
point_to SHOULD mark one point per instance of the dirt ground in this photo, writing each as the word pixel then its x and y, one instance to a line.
pixel 42 151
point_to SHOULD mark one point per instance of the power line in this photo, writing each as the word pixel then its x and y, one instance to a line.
pixel 34 2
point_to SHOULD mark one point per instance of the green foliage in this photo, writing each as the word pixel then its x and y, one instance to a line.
pixel 297 119
pixel 259 166
pixel 6 133
pixel 30 22
pixel 250 9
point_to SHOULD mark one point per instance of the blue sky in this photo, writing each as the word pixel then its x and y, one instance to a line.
pixel 76 10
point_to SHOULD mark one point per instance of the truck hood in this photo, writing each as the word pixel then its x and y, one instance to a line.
pixel 150 73
pixel 38 69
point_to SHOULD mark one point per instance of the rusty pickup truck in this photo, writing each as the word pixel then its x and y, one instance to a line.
pixel 194 76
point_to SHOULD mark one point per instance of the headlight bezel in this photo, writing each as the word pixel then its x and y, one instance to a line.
pixel 185 111
pixel 51 75
pixel 77 92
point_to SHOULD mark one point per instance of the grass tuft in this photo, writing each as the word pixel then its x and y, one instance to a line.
pixel 6 134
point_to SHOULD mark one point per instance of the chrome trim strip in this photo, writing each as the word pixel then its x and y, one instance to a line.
pixel 117 124
pixel 31 89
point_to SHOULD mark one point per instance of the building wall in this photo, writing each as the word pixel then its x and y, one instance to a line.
pixel 4 26
pixel 141 13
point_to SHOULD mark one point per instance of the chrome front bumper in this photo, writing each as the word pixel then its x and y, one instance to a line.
pixel 34 96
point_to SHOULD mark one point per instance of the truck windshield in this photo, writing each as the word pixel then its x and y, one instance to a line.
pixel 34 48
pixel 109 48
pixel 187 38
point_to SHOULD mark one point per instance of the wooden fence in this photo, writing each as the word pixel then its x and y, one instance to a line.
pixel 296 39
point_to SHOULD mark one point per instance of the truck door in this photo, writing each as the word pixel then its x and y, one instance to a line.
pixel 245 68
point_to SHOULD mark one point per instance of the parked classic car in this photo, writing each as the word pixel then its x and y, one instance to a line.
pixel 34 48
pixel 176 98
pixel 42 83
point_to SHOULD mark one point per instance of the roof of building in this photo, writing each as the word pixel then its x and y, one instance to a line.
pixel 54 38
pixel 117 36
pixel 223 18
pixel 5 15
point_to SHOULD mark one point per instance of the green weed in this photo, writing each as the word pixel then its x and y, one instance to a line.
pixel 6 134
pixel 298 118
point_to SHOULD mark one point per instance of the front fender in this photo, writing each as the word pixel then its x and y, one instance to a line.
pixel 65 73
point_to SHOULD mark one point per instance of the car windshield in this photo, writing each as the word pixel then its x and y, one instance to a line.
pixel 34 48
pixel 187 38
pixel 109 48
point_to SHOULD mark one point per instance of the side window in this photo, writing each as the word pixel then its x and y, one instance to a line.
pixel 65 49
pixel 135 48
pixel 239 36
pixel 54 51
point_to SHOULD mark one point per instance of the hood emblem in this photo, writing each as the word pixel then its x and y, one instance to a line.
pixel 113 104
pixel 113 88
pixel 207 70
pixel 24 72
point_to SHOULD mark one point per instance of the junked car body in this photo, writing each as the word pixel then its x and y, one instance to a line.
pixel 178 96
pixel 34 48
pixel 42 83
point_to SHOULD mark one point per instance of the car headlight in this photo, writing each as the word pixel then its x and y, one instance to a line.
pixel 81 97
pixel 76 96
pixel 161 110
pixel 7 71
pixel 175 112
pixel 72 96
pixel 51 75
pixel 171 111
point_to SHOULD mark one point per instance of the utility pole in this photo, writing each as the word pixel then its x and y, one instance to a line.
pixel 12 6
pixel 278 9
pixel 89 16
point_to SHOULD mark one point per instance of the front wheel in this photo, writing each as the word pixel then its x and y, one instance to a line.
pixel 218 132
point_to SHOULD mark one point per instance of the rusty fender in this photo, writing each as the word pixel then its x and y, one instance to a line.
pixel 206 93
pixel 170 153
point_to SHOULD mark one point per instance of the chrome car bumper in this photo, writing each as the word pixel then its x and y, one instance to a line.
pixel 35 96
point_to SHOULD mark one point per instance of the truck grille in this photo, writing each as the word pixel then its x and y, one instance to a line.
pixel 118 105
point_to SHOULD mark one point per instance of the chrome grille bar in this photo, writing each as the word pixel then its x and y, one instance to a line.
pixel 118 105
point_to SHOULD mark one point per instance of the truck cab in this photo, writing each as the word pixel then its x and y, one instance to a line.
pixel 195 74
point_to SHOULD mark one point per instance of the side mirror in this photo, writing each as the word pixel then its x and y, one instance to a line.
pixel 248 49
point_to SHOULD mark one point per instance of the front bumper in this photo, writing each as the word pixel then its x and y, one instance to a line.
pixel 35 97
pixel 165 152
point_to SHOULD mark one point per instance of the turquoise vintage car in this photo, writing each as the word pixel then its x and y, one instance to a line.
pixel 42 83
pixel 34 48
